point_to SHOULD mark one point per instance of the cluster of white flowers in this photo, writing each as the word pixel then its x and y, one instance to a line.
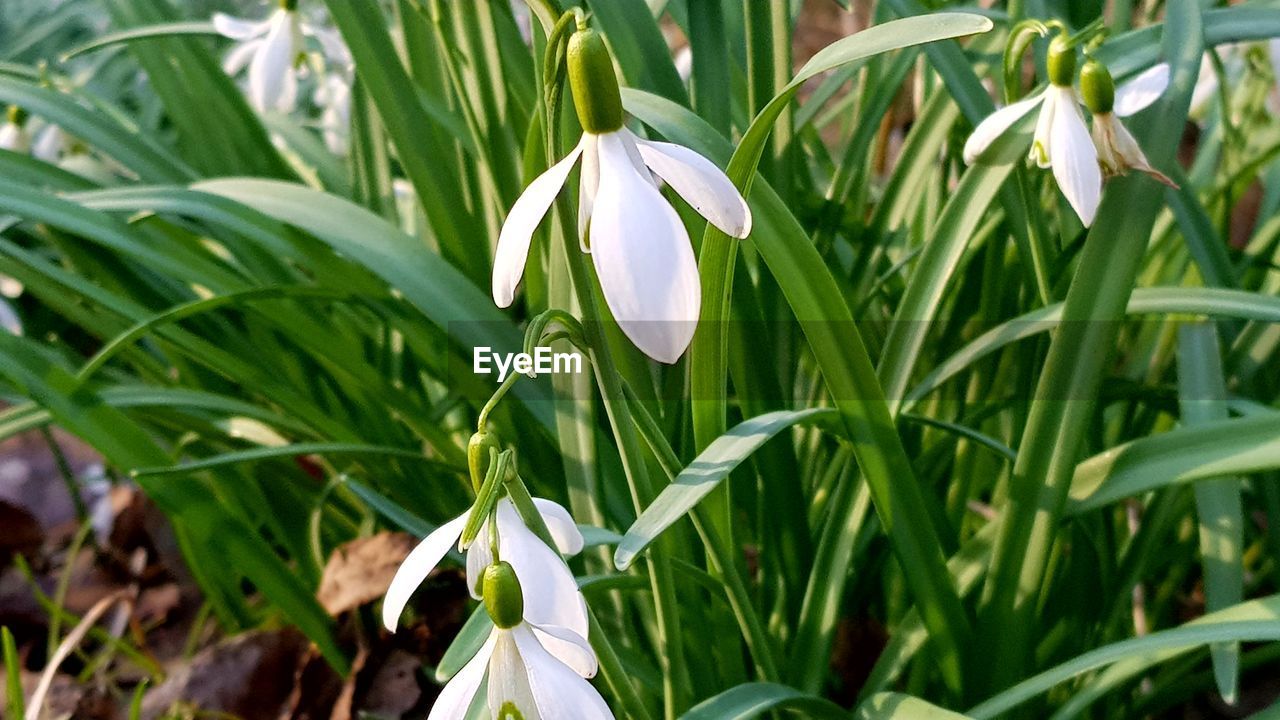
pixel 275 52
pixel 1063 140
pixel 536 662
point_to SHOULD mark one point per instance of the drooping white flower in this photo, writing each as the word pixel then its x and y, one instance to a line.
pixel 552 596
pixel 334 95
pixel 14 135
pixel 1118 152
pixel 50 143
pixel 271 48
pixel 521 676
pixel 638 244
pixel 1061 142
pixel 1062 139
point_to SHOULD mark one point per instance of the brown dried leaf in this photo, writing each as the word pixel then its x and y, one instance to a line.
pixel 361 570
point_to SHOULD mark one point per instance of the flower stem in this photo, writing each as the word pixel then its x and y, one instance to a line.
pixel 614 673
pixel 739 598
pixel 670 639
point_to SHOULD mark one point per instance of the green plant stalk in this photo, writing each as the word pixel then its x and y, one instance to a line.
pixel 722 554
pixel 670 639
pixel 1218 504
pixel 617 677
pixel 1068 389
pixel 14 706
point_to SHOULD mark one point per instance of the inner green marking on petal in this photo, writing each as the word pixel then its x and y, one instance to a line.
pixel 509 711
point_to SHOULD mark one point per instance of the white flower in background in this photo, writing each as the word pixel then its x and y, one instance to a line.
pixel 521 678
pixel 334 95
pixel 640 248
pixel 1118 152
pixel 50 143
pixel 553 597
pixel 272 49
pixel 1061 137
pixel 14 135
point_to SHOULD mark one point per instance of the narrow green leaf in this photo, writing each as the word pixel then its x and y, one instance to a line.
pixel 705 473
pixel 755 699
pixel 1188 454
pixel 1203 399
pixel 895 706
pixel 142 33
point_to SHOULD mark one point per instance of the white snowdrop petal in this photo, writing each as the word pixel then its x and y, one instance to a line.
pixel 271 77
pixel 240 28
pixel 997 124
pixel 14 138
pixel 558 691
pixel 49 144
pixel 421 561
pixel 551 595
pixel 1075 162
pixel 522 221
pixel 703 185
pixel 569 647
pixel 643 257
pixel 587 183
pixel 479 557
pixel 563 529
pixel 509 678
pixel 457 695
pixel 1142 90
pixel 1040 145
pixel 240 56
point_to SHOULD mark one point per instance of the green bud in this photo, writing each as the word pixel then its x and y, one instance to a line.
pixel 1097 87
pixel 503 597
pixel 17 115
pixel 1062 62
pixel 478 455
pixel 594 83
pixel 289 5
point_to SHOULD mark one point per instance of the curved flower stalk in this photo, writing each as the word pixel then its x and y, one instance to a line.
pixel 1063 140
pixel 272 49
pixel 1118 152
pixel 553 599
pixel 521 678
pixel 638 244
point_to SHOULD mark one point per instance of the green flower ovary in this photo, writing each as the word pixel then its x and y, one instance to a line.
pixel 503 597
pixel 1097 87
pixel 594 83
pixel 1062 62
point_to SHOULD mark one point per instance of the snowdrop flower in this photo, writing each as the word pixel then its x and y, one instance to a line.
pixel 637 242
pixel 1117 150
pixel 14 136
pixel 334 95
pixel 553 597
pixel 522 680
pixel 1061 137
pixel 271 48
